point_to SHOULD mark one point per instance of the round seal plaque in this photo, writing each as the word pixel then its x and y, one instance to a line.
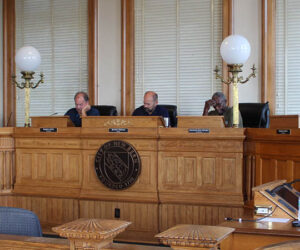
pixel 117 164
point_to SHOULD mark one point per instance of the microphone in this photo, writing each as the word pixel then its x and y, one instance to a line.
pixel 53 114
pixel 9 119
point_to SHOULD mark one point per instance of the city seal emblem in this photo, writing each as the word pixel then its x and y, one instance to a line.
pixel 117 164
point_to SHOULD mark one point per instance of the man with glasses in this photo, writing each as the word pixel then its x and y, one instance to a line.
pixel 218 102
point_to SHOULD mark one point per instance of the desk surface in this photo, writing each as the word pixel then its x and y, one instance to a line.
pixel 251 235
pixel 263 228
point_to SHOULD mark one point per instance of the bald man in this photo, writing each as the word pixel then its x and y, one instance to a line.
pixel 151 107
pixel 82 109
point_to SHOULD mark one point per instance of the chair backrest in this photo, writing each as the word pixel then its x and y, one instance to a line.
pixel 18 221
pixel 106 110
pixel 172 109
pixel 255 115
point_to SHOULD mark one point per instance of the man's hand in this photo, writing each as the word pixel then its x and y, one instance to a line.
pixel 85 109
pixel 207 106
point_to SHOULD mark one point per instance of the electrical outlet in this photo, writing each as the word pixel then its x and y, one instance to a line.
pixel 117 213
pixel 262 210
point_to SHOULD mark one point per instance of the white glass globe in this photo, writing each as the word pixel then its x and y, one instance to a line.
pixel 235 49
pixel 28 58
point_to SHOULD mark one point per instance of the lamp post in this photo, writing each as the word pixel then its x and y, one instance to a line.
pixel 235 50
pixel 28 59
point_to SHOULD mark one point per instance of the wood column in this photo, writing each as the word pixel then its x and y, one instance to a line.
pixel 127 71
pixel 93 51
pixel 9 90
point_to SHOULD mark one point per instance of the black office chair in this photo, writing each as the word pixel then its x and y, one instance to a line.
pixel 18 221
pixel 106 110
pixel 172 109
pixel 255 115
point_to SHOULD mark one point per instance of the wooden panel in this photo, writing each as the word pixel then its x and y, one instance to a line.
pixel 48 172
pixel 200 175
pixel 284 121
pixel 201 122
pixel 7 160
pixel 51 122
pixel 172 214
pixel 144 217
pixel 207 175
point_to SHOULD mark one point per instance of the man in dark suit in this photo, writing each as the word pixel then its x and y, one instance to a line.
pixel 82 109
pixel 151 107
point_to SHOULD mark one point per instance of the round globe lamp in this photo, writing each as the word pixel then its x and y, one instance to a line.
pixel 235 51
pixel 28 59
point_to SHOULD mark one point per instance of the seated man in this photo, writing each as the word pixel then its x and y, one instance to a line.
pixel 82 109
pixel 150 107
pixel 218 101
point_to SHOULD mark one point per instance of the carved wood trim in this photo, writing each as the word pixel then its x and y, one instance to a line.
pixel 9 91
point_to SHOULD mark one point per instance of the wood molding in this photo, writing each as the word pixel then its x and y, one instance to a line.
pixel 268 84
pixel 93 51
pixel 127 58
pixel 9 90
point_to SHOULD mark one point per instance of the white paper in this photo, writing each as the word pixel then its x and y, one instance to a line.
pixel 282 220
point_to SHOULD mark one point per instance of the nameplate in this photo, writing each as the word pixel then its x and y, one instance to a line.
pixel 199 130
pixel 51 130
pixel 118 130
pixel 283 131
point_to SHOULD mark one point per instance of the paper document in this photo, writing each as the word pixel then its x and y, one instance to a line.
pixel 269 219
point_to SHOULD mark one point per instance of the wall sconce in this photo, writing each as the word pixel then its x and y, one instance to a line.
pixel 235 50
pixel 28 59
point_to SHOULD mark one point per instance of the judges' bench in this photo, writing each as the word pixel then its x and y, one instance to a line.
pixel 189 175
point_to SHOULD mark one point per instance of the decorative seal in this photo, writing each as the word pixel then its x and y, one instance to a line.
pixel 117 164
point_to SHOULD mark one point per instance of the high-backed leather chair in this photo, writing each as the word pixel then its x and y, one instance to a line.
pixel 18 221
pixel 172 109
pixel 106 110
pixel 255 115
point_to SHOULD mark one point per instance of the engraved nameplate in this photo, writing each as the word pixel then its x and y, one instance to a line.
pixel 118 130
pixel 51 130
pixel 283 131
pixel 199 130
